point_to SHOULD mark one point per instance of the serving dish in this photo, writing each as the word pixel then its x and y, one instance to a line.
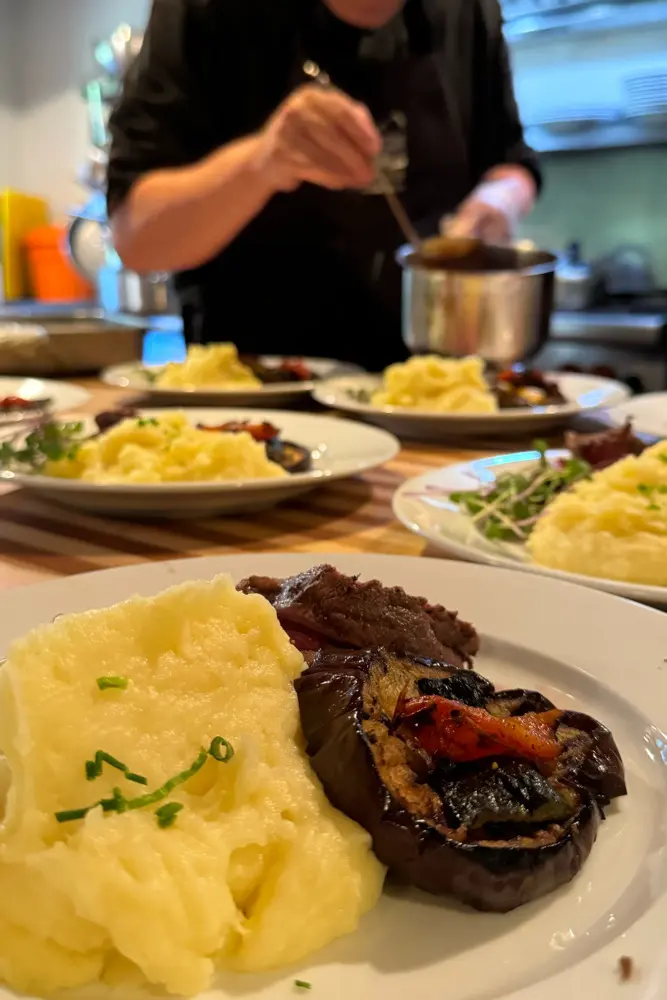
pixel 584 394
pixel 339 449
pixel 137 376
pixel 648 413
pixel 51 397
pixel 572 644
pixel 424 505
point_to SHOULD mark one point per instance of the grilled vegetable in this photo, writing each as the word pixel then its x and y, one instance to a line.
pixel 495 831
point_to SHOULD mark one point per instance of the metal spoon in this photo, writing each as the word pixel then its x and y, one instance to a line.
pixel 313 71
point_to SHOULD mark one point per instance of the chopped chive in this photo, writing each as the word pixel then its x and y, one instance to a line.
pixel 94 768
pixel 164 790
pixel 301 984
pixel 137 778
pixel 71 814
pixel 118 802
pixel 108 683
pixel 215 747
pixel 166 815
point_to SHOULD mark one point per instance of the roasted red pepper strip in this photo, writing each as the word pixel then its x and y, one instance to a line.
pixel 293 366
pixel 260 432
pixel 447 728
pixel 14 403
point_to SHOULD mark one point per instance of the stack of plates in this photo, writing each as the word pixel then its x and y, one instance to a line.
pixel 647 98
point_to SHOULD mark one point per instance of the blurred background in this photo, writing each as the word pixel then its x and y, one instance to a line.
pixel 591 80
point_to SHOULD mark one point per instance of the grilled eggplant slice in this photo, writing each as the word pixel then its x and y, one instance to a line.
pixel 494 832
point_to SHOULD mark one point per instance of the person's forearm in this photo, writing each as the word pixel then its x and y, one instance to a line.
pixel 173 220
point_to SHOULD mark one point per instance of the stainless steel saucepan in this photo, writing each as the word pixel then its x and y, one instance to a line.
pixel 495 302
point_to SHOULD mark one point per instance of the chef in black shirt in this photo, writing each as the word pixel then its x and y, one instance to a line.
pixel 259 187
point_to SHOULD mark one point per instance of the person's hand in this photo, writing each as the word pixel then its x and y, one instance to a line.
pixel 321 137
pixel 491 213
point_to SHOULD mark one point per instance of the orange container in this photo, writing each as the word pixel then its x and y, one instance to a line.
pixel 52 275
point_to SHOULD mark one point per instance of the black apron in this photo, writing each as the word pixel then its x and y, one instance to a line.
pixel 315 273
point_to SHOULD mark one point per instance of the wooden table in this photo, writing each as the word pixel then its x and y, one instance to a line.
pixel 39 541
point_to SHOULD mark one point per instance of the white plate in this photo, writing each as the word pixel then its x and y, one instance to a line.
pixel 340 449
pixel 584 393
pixel 647 412
pixel 63 395
pixel 133 376
pixel 572 644
pixel 423 506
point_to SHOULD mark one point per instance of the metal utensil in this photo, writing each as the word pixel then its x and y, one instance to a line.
pixel 313 71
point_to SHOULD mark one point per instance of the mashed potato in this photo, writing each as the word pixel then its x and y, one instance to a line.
pixel 166 449
pixel 212 366
pixel 439 385
pixel 258 869
pixel 613 525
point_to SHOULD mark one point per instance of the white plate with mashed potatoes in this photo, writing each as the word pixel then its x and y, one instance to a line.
pixel 608 532
pixel 647 412
pixel 161 463
pixel 431 398
pixel 257 887
pixel 215 375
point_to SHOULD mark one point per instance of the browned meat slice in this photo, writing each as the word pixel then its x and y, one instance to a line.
pixel 605 447
pixel 322 608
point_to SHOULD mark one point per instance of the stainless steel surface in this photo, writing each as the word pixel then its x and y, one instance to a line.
pixel 628 270
pixel 132 294
pixel 603 327
pixel 501 315
pixel 74 344
pixel 647 367
pixel 575 281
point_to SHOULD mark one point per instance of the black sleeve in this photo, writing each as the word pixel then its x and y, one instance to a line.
pixel 498 131
pixel 162 119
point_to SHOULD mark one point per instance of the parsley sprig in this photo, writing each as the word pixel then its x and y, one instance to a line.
pixel 48 442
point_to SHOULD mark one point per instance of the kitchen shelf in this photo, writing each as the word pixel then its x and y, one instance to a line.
pixel 619 135
pixel 589 18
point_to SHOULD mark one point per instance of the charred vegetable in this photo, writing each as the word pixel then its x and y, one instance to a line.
pixel 526 387
pixel 494 798
pixel 293 457
pixel 288 370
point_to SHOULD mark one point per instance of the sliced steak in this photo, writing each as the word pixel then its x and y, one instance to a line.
pixel 323 609
pixel 604 448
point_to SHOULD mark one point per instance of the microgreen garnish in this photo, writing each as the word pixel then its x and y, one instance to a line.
pixel 118 803
pixel 147 422
pixel 94 768
pixel 301 984
pixel 109 683
pixel 166 815
pixel 509 509
pixel 48 442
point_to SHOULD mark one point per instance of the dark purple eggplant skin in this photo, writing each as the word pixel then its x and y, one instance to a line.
pixel 484 876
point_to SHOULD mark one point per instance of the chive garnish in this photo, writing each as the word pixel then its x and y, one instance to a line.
pixel 94 768
pixel 118 803
pixel 108 683
pixel 71 814
pixel 301 984
pixel 214 750
pixel 166 815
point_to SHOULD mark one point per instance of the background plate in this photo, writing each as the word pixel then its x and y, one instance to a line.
pixel 423 506
pixel 584 393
